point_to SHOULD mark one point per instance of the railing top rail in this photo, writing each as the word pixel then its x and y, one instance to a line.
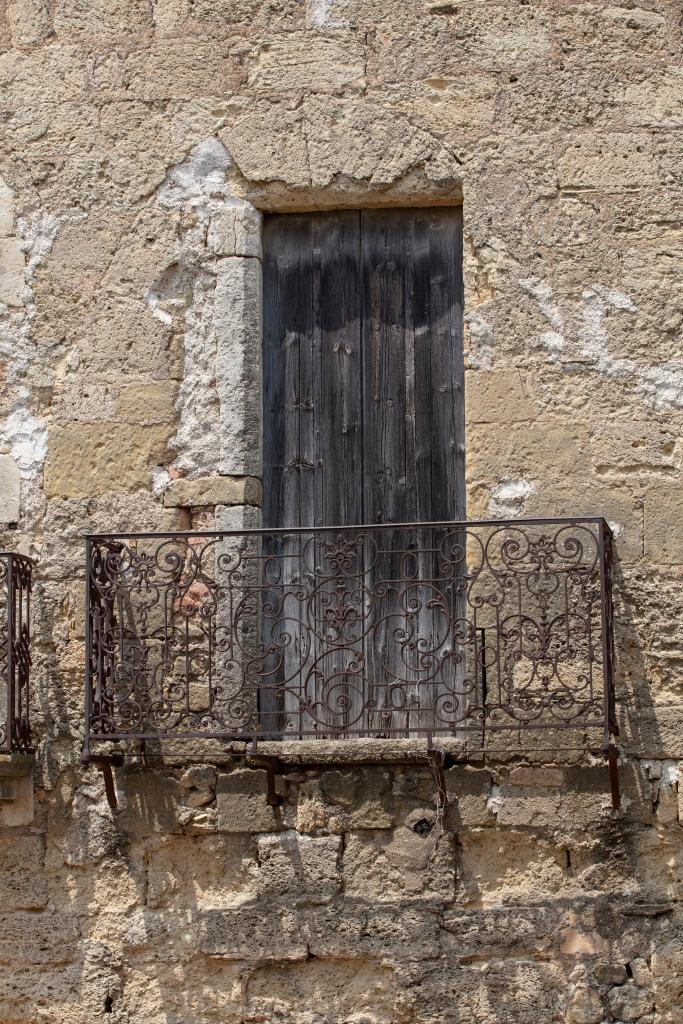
pixel 15 554
pixel 597 521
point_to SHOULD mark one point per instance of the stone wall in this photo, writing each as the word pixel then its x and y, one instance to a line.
pixel 139 142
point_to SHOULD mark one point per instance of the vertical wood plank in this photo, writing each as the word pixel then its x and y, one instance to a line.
pixel 287 340
pixel 337 315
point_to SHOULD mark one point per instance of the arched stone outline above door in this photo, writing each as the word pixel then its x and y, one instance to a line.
pixel 272 158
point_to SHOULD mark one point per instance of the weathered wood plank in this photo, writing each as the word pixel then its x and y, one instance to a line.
pixel 287 339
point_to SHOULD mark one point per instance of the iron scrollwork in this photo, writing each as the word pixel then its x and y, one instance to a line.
pixel 469 630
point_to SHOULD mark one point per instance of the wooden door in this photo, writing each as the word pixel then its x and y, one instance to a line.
pixel 363 394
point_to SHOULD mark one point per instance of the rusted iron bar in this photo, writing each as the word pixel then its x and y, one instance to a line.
pixel 105 763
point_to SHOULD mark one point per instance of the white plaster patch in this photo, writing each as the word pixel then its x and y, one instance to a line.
pixel 319 15
pixel 22 431
pixel 200 176
pixel 481 349
pixel 495 801
pixel 661 386
pixel 553 340
pixel 26 437
pixel 668 771
pixel 509 497
pixel 153 300
pixel 160 480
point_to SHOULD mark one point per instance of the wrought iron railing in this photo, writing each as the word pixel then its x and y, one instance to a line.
pixel 492 633
pixel 15 652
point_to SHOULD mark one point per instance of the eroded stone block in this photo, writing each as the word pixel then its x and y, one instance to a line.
pixel 236 231
pixel 213 490
pixel 664 525
pixel 85 459
pixel 290 863
pixel 10 489
pixel 241 802
pixel 150 803
pixel 11 272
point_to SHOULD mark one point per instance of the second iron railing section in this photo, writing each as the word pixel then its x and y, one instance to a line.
pixel 16 577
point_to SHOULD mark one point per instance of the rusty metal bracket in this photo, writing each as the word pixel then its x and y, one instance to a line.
pixel 105 763
pixel 612 761
pixel 273 767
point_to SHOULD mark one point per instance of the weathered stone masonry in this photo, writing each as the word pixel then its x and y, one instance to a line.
pixel 140 141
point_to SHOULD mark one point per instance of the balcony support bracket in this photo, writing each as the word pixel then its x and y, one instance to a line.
pixel 105 763
pixel 273 767
pixel 612 761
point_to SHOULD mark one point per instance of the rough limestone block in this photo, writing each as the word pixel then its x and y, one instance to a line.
pixel 203 872
pixel 468 791
pixel 583 802
pixel 364 803
pixel 85 459
pixel 229 934
pixel 547 778
pixel 510 865
pixel 30 21
pixel 213 490
pixel 608 163
pixel 490 932
pixel 10 489
pixel 151 402
pixel 22 876
pixel 633 448
pixel 387 933
pixel 664 525
pixel 542 449
pixel 237 310
pixel 657 103
pixel 667 971
pixel 149 804
pixel 585 1007
pixel 16 790
pixel 362 992
pixel 29 938
pixel 629 1002
pixel 11 272
pixel 6 209
pixel 403 863
pixel 300 60
pixel 236 231
pixel 241 801
pixel 289 862
pixel 622 510
pixel 655 732
pixel 497 396
pixel 590 787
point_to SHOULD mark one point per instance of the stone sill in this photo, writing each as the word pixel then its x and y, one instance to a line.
pixel 356 751
pixel 349 752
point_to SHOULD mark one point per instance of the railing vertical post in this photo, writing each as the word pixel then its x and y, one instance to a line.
pixel 27 694
pixel 9 681
pixel 606 620
pixel 88 651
